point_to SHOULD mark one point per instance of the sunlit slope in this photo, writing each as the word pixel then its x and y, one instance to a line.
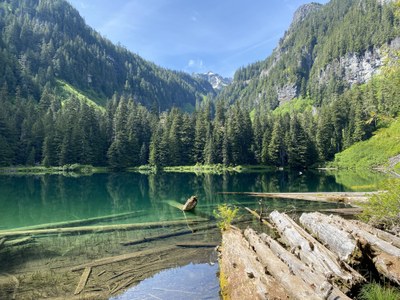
pixel 374 152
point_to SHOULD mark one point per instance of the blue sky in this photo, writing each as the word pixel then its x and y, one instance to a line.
pixel 193 35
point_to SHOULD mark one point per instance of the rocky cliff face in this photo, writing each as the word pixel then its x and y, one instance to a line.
pixel 356 69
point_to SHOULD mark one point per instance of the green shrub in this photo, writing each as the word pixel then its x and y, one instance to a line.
pixel 383 209
pixel 225 215
pixel 374 291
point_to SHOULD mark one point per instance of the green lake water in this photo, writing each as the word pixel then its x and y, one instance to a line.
pixel 34 200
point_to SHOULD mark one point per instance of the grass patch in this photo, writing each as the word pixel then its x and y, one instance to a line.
pixel 374 152
pixel 216 169
pixel 67 170
pixel 66 90
pixel 374 291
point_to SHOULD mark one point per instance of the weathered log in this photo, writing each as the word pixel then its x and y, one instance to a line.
pixel 313 253
pixel 383 235
pixel 82 282
pixel 82 222
pixel 168 235
pixel 318 281
pixel 119 258
pixel 343 197
pixel 333 237
pixel 384 255
pixel 294 285
pixel 241 275
pixel 100 228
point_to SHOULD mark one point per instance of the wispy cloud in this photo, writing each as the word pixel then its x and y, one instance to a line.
pixel 196 64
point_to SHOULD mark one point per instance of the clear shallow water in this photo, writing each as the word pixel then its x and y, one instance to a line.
pixel 43 264
pixel 34 200
pixel 193 281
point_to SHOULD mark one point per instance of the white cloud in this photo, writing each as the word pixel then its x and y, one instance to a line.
pixel 197 64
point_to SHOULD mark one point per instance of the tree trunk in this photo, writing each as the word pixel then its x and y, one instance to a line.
pixel 312 253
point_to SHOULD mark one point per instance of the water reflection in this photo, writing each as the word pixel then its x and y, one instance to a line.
pixel 193 281
pixel 32 200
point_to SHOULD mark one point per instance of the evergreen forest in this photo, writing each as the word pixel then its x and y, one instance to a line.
pixel 69 96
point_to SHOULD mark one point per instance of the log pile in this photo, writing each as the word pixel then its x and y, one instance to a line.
pixel 316 260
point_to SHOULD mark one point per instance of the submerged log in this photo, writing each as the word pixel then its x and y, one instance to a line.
pixel 241 275
pixel 100 228
pixel 19 242
pixel 313 253
pixel 82 282
pixel 82 222
pixel 293 285
pixel 323 287
pixel 333 237
pixel 168 235
pixel 119 258
pixel 384 255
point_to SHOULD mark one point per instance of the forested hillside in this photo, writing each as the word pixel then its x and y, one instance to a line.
pixel 43 41
pixel 246 124
pixel 327 49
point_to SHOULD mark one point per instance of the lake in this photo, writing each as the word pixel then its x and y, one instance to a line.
pixel 103 207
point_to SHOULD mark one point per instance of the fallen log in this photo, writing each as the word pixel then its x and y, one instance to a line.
pixel 293 285
pixel 384 255
pixel 313 253
pixel 241 275
pixel 383 235
pixel 332 236
pixel 82 222
pixel 318 281
pixel 342 197
pixel 100 228
pixel 168 235
pixel 119 258
pixel 82 282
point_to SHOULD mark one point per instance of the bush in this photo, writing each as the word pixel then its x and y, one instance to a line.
pixel 225 215
pixel 383 209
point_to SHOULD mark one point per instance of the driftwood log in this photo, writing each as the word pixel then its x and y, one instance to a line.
pixel 384 255
pixel 323 287
pixel 294 285
pixel 311 252
pixel 241 274
pixel 333 237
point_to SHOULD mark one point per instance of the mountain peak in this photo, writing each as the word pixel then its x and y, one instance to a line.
pixel 303 11
pixel 217 81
